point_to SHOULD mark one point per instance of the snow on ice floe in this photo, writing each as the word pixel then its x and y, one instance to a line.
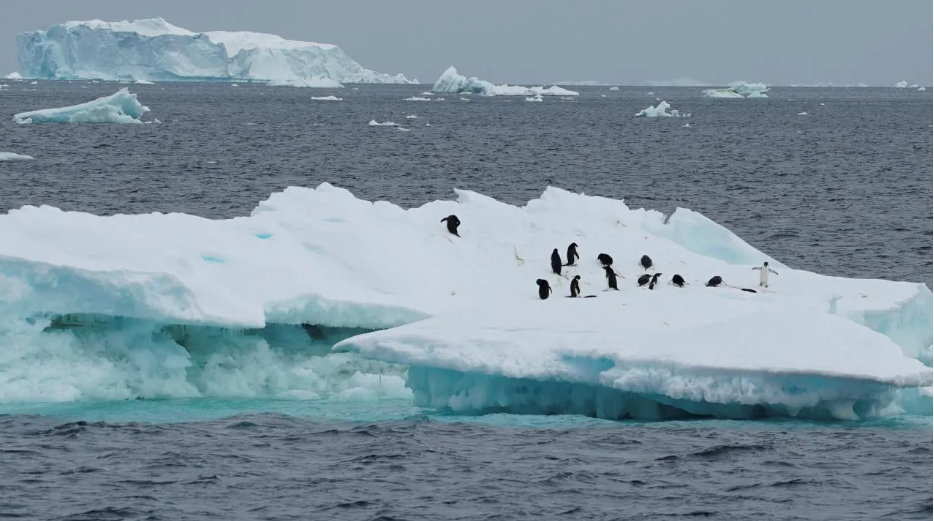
pixel 739 89
pixel 315 83
pixel 661 111
pixel 120 107
pixel 321 256
pixel 154 49
pixel 374 123
pixel 326 98
pixel 10 156
pixel 451 81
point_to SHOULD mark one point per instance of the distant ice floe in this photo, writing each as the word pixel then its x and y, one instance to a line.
pixel 739 89
pixel 314 83
pixel 10 156
pixel 802 113
pixel 120 107
pixel 614 89
pixel 661 111
pixel 234 85
pixel 13 76
pixel 901 85
pixel 144 82
pixel 416 98
pixel 326 98
pixel 451 81
pixel 534 98
pixel 411 116
pixel 374 123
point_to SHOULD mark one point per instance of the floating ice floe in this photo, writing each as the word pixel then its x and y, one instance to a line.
pixel 534 98
pixel 739 89
pixel 411 116
pixel 614 89
pixel 921 89
pixel 374 123
pixel 901 85
pixel 661 111
pixel 13 76
pixel 326 98
pixel 120 107
pixel 315 83
pixel 802 113
pixel 144 82
pixel 10 156
pixel 251 306
pixel 451 81
pixel 416 98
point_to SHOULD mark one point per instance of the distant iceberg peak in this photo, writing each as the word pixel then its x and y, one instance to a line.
pixel 452 82
pixel 154 49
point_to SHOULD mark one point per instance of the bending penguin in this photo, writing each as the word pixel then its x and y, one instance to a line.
pixel 654 280
pixel 605 259
pixel 543 289
pixel 556 261
pixel 572 254
pixel 764 274
pixel 678 280
pixel 646 262
pixel 610 278
pixel 714 281
pixel 453 223
pixel 644 279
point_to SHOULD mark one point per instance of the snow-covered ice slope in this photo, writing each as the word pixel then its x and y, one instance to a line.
pixel 704 351
pixel 452 82
pixel 153 49
pixel 120 107
pixel 321 256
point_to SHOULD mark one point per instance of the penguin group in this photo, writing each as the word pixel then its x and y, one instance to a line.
pixel 606 262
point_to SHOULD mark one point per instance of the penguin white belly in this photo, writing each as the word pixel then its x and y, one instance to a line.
pixel 764 277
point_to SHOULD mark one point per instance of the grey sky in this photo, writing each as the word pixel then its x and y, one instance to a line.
pixel 522 41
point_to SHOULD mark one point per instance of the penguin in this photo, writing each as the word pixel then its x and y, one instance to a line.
pixel 677 280
pixel 764 274
pixel 543 289
pixel 453 223
pixel 714 281
pixel 556 261
pixel 575 286
pixel 572 254
pixel 610 278
pixel 605 259
pixel 646 262
pixel 654 280
pixel 644 279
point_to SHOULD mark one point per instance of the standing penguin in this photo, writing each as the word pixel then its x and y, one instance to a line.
pixel 544 289
pixel 654 280
pixel 764 274
pixel 453 223
pixel 572 254
pixel 646 262
pixel 556 261
pixel 644 279
pixel 678 280
pixel 576 286
pixel 605 259
pixel 714 281
pixel 610 278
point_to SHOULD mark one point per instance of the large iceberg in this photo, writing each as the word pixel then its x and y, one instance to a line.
pixel 154 49
pixel 120 107
pixel 175 305
pixel 452 82
pixel 739 89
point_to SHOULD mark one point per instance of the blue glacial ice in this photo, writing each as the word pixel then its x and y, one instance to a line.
pixel 155 50
pixel 155 305
pixel 120 107
pixel 452 82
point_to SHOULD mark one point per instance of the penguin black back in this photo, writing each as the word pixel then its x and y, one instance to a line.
pixel 644 279
pixel 714 281
pixel 646 262
pixel 556 261
pixel 610 278
pixel 544 289
pixel 654 281
pixel 572 254
pixel 453 223
pixel 605 259
pixel 678 280
pixel 575 286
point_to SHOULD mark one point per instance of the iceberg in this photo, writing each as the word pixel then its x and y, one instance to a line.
pixel 316 83
pixel 901 85
pixel 155 50
pixel 661 111
pixel 172 305
pixel 10 156
pixel 13 76
pixel 739 89
pixel 452 82
pixel 120 107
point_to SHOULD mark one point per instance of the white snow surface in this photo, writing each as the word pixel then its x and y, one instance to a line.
pixel 120 107
pixel 322 256
pixel 661 111
pixel 739 89
pixel 10 156
pixel 154 49
pixel 451 81
pixel 315 83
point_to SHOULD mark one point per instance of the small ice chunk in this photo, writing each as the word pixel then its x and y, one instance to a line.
pixel 10 156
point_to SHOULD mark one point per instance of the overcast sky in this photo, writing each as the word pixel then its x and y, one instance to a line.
pixel 522 41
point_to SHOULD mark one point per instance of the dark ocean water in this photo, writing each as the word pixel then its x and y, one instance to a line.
pixel 845 189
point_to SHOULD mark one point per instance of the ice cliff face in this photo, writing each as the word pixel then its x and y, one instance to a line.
pixel 157 50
